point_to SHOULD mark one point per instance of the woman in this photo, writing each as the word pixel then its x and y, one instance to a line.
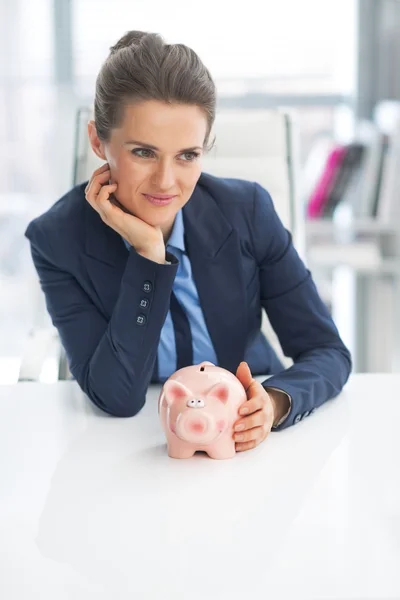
pixel 153 265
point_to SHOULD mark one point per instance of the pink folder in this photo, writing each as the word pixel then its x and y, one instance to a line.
pixel 320 195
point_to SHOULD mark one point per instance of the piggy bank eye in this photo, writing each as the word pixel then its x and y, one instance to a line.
pixel 192 403
pixel 200 403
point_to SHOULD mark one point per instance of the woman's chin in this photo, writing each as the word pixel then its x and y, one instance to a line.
pixel 154 220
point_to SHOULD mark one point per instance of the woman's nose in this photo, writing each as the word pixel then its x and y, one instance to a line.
pixel 164 176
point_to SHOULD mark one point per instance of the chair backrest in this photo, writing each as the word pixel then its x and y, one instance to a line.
pixel 257 145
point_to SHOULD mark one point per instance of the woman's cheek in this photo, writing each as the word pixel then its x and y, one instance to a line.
pixel 193 177
pixel 130 172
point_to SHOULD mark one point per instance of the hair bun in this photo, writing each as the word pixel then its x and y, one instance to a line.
pixel 130 38
pixel 142 67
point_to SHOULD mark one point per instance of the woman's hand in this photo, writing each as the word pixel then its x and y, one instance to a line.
pixel 146 239
pixel 261 410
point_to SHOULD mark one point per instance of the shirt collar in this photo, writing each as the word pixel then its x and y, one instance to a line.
pixel 177 237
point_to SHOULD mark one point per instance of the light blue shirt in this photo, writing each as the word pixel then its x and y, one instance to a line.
pixel 186 292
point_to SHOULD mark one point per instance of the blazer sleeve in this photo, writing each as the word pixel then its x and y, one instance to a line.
pixel 305 329
pixel 113 360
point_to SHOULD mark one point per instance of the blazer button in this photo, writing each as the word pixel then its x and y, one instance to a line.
pixel 144 303
pixel 313 411
pixel 306 414
pixel 141 320
pixel 297 419
pixel 147 287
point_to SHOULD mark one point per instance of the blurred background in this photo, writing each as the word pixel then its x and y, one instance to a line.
pixel 332 66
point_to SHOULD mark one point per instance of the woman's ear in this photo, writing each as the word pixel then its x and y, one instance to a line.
pixel 95 142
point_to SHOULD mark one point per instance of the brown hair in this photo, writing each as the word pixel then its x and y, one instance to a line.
pixel 141 66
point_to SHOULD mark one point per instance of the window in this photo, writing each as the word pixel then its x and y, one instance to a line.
pixel 305 46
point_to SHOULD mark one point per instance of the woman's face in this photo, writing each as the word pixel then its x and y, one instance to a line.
pixel 155 155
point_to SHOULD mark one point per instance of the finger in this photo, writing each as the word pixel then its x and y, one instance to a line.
pixel 104 167
pixel 97 181
pixel 252 443
pixel 245 446
pixel 251 406
pixel 244 375
pixel 103 203
pixel 93 191
pixel 257 434
pixel 99 203
pixel 251 386
pixel 258 419
pixel 101 169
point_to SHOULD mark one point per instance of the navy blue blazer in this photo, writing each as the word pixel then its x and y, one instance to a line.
pixel 242 260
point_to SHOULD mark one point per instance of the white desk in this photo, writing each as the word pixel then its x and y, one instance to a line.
pixel 91 507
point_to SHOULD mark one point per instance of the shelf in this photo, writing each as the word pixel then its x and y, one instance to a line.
pixel 325 227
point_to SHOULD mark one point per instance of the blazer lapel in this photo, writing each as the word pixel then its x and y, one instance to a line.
pixel 105 259
pixel 213 247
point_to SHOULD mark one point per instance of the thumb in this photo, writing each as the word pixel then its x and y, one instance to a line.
pixel 244 375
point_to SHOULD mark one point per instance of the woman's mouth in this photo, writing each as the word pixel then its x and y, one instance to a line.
pixel 159 199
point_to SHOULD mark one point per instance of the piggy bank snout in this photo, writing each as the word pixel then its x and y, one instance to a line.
pixel 197 426
pixel 197 421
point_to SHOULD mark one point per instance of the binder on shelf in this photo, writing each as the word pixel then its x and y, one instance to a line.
pixel 318 199
pixel 388 205
pixel 345 174
pixel 366 193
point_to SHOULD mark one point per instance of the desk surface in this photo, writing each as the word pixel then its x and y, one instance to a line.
pixel 92 507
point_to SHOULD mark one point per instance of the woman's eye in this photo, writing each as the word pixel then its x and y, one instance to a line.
pixel 143 153
pixel 189 156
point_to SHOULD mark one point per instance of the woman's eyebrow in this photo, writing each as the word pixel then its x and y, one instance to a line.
pixel 151 147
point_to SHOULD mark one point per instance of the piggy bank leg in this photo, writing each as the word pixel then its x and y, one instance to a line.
pixel 177 449
pixel 222 451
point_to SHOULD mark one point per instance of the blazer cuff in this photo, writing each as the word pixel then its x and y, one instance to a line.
pixel 285 416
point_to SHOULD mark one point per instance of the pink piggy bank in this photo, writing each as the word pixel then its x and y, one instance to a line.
pixel 198 406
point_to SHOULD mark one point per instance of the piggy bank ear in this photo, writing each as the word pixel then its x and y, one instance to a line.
pixel 220 391
pixel 175 391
